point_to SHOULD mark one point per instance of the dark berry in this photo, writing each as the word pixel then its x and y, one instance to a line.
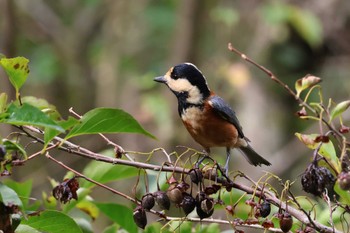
pixel 265 209
pixel 162 200
pixel 147 201
pixel 344 180
pixel 196 175
pixel 175 194
pixel 140 217
pixel 188 203
pixel 286 222
pixel 204 206
pixel 183 186
pixel 212 189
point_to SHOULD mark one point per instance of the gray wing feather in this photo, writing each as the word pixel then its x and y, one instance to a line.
pixel 226 112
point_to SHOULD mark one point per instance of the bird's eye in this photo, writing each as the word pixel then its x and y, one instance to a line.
pixel 174 76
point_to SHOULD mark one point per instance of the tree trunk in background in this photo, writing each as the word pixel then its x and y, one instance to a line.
pixel 8 40
pixel 184 34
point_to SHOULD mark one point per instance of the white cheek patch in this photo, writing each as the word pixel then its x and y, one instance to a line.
pixel 194 96
pixel 183 85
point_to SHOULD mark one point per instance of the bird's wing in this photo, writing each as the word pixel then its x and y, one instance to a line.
pixel 226 112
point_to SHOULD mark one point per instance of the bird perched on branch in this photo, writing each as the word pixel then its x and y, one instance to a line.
pixel 207 117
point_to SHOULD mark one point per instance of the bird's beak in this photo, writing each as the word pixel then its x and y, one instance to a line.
pixel 160 79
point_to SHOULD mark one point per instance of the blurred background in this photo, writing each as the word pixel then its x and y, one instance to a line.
pixel 88 54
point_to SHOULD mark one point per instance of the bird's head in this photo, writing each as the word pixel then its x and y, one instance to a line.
pixel 187 82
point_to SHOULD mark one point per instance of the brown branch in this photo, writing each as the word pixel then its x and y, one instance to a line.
pixel 268 195
pixel 160 214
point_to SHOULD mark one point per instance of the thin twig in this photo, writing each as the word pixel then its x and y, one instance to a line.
pixel 285 86
pixel 90 180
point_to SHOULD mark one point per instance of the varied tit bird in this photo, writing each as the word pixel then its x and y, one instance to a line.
pixel 207 117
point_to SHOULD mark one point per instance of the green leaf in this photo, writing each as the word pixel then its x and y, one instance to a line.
pixel 327 149
pixel 305 83
pixel 344 195
pixel 114 228
pixel 23 189
pixel 82 195
pixel 213 228
pixel 14 146
pixel 157 227
pixel 307 25
pixel 17 70
pixel 26 229
pixel 105 172
pixel 339 109
pixel 84 224
pixel 3 102
pixel 119 214
pixel 66 125
pixel 107 120
pixel 8 196
pixel 29 115
pixel 53 222
pixel 88 207
pixel 274 12
pixel 42 105
pixel 227 16
pixel 49 202
pixel 183 226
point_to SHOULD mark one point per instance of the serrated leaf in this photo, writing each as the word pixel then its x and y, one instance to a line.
pixel 119 214
pixel 105 172
pixel 8 196
pixel 107 120
pixel 17 70
pixel 339 109
pixel 53 222
pixel 29 115
pixel 305 83
pixel 327 149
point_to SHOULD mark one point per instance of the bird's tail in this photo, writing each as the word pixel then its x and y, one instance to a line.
pixel 253 157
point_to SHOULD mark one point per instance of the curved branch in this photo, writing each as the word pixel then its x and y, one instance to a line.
pixel 268 195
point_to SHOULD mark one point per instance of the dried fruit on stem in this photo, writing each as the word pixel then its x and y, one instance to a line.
pixel 66 190
pixel 316 179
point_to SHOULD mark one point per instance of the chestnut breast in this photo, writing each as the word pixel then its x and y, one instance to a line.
pixel 208 128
